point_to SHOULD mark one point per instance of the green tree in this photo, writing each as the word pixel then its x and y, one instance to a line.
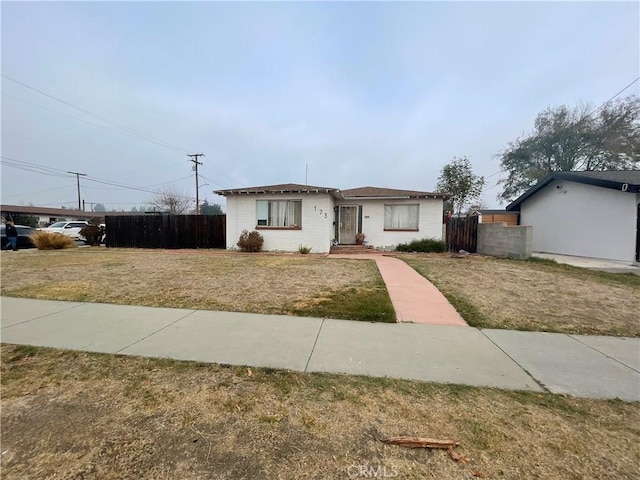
pixel 573 139
pixel 457 179
pixel 210 209
pixel 99 207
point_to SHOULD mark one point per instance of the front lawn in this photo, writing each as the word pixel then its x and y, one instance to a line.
pixel 78 415
pixel 202 279
pixel 534 295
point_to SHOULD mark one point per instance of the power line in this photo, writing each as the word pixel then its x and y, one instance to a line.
pixel 638 78
pixel 119 128
pixel 28 167
pixel 37 191
pixel 595 110
pixel 57 203
pixel 170 181
pixel 146 186
pixel 41 169
pixel 131 187
pixel 121 132
pixel 214 183
pixel 127 130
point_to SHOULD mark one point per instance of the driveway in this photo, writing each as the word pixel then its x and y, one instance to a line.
pixel 604 265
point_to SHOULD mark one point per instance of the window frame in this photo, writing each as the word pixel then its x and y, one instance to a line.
pixel 402 229
pixel 268 216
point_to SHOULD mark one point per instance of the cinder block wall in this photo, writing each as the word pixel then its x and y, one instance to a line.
pixel 500 240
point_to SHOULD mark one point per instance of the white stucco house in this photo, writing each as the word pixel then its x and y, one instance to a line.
pixel 289 216
pixel 586 214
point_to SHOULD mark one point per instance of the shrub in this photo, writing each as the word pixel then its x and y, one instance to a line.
pixel 51 241
pixel 304 249
pixel 426 245
pixel 250 241
pixel 92 234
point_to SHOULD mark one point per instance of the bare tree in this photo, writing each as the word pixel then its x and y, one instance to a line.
pixel 169 199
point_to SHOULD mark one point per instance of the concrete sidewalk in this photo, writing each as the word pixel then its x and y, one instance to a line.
pixel 583 366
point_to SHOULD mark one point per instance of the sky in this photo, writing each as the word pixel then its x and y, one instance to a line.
pixel 335 94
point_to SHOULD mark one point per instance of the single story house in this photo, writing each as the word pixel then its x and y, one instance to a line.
pixel 496 216
pixel 586 214
pixel 290 215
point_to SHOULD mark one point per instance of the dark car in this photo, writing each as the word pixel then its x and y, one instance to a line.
pixel 24 237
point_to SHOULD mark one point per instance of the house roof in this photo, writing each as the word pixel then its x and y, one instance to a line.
pixel 59 212
pixel 493 212
pixel 623 180
pixel 353 193
pixel 281 188
pixel 377 192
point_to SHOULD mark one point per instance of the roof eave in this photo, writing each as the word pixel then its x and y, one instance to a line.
pixel 395 197
pixel 225 193
pixel 624 187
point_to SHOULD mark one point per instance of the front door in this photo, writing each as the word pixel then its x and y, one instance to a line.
pixel 348 224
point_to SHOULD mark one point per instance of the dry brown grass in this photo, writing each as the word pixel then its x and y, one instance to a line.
pixel 76 415
pixel 197 279
pixel 501 293
pixel 52 241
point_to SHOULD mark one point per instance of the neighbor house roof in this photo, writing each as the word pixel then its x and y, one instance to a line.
pixel 59 212
pixel 281 188
pixel 377 192
pixel 623 180
pixel 493 212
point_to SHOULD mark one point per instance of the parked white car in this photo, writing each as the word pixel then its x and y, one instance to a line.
pixel 70 229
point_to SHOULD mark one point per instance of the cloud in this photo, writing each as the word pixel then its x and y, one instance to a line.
pixel 363 93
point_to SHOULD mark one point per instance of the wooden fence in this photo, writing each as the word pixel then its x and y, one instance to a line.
pixel 166 231
pixel 462 233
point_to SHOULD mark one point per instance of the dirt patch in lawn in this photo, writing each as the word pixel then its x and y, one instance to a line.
pixel 77 415
pixel 501 293
pixel 197 279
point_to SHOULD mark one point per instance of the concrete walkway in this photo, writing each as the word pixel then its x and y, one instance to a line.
pixel 415 299
pixel 583 366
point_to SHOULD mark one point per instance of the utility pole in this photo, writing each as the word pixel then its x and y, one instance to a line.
pixel 78 180
pixel 194 159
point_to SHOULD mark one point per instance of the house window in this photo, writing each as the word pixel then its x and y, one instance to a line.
pixel 279 213
pixel 401 217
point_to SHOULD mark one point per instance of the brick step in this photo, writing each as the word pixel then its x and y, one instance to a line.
pixel 353 249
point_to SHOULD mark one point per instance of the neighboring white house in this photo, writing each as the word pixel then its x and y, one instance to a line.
pixel 289 216
pixel 586 214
